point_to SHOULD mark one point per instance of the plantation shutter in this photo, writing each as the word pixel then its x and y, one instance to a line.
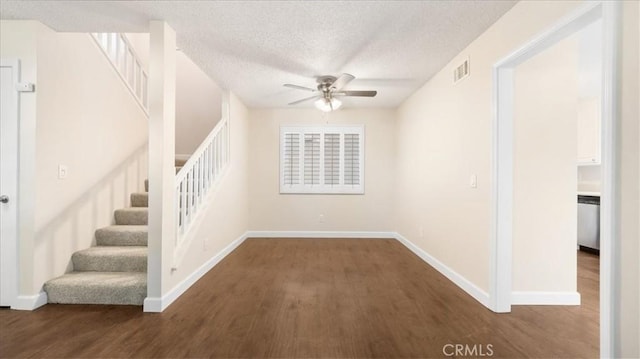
pixel 351 159
pixel 332 159
pixel 312 159
pixel 291 162
pixel 322 159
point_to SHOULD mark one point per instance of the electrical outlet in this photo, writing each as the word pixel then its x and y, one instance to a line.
pixel 321 218
pixel 63 171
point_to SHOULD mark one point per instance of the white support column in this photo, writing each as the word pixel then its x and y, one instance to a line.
pixel 162 102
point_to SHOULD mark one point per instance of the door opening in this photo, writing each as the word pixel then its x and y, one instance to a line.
pixel 501 294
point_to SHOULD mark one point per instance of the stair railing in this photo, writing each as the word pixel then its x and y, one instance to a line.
pixel 127 64
pixel 198 177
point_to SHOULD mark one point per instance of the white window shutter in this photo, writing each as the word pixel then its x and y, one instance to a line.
pixel 312 159
pixel 352 159
pixel 332 159
pixel 291 160
pixel 322 159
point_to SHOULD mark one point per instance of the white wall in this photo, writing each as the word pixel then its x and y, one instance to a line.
pixel 443 136
pixel 271 211
pixel 227 217
pixel 545 171
pixel 198 98
pixel 87 120
pixel 198 105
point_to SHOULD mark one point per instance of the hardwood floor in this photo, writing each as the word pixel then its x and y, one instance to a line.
pixel 302 298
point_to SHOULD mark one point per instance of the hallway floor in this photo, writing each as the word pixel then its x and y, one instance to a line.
pixel 301 298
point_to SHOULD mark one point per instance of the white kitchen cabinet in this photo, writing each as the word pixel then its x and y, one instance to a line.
pixel 589 131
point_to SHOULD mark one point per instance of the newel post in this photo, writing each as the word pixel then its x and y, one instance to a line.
pixel 162 103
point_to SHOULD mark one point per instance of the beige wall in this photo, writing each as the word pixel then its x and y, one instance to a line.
pixel 198 105
pixel 545 171
pixel 226 218
pixel 627 268
pixel 85 119
pixel 198 98
pixel 271 211
pixel 443 137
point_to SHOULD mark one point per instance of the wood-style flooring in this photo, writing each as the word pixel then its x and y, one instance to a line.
pixel 312 298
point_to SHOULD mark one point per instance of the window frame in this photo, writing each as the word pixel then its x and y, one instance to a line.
pixel 322 188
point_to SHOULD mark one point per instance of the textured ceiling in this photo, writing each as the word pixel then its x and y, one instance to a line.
pixel 254 47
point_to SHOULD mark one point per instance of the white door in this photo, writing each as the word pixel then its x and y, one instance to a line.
pixel 8 182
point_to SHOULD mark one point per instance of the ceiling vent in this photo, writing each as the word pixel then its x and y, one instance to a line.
pixel 461 72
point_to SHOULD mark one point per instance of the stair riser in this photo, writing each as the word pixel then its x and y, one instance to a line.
pixel 107 238
pixel 124 217
pixel 122 292
pixel 74 295
pixel 88 263
pixel 139 200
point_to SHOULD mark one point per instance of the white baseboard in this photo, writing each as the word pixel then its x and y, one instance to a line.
pixel 545 298
pixel 462 282
pixel 155 304
pixel 30 302
pixel 319 234
pixel 182 156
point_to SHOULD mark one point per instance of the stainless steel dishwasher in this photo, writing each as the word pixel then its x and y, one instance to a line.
pixel 589 223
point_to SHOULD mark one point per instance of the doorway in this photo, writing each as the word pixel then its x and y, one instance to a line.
pixel 9 76
pixel 503 156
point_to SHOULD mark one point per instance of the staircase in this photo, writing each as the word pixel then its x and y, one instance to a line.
pixel 115 270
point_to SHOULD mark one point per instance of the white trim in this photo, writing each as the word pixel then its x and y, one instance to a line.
pixel 502 161
pixel 183 156
pixel 10 253
pixel 30 302
pixel 545 298
pixel 155 304
pixel 319 234
pixel 459 280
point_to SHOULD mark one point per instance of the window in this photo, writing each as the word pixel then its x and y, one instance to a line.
pixel 322 159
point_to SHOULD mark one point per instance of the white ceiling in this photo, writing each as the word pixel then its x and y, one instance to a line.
pixel 254 47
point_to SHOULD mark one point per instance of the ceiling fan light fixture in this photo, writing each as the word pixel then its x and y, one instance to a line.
pixel 328 105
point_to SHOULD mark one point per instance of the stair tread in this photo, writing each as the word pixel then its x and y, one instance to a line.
pixel 106 251
pixel 126 228
pixel 128 288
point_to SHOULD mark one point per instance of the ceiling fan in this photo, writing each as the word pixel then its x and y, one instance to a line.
pixel 328 89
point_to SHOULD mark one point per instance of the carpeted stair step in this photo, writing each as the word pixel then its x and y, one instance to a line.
pixel 110 259
pixel 132 215
pixel 180 162
pixel 146 185
pixel 130 235
pixel 140 199
pixel 128 288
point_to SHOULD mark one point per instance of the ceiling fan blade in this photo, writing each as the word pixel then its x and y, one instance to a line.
pixel 341 81
pixel 305 99
pixel 300 87
pixel 356 93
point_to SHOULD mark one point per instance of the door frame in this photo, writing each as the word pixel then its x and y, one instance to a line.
pixel 10 265
pixel 502 160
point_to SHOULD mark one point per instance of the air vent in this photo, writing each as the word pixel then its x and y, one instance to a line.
pixel 461 71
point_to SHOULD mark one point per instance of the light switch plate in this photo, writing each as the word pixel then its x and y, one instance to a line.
pixel 63 171
pixel 473 181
